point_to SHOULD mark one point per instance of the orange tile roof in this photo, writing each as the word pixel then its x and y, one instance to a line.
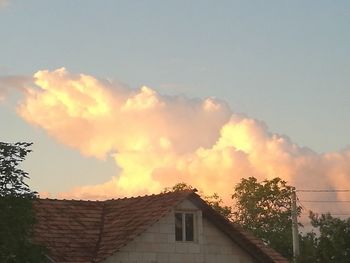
pixel 91 231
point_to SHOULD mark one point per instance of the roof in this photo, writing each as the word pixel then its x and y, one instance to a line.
pixel 90 231
pixel 247 241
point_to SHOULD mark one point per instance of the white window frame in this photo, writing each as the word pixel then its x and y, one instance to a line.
pixel 195 223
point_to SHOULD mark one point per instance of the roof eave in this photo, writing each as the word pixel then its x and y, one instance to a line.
pixel 234 233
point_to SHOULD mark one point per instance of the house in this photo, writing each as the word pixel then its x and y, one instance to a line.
pixel 169 227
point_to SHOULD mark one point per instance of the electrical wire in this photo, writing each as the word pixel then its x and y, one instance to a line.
pixel 306 210
pixel 325 201
pixel 302 205
pixel 322 190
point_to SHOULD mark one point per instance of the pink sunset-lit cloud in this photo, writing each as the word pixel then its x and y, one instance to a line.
pixel 158 141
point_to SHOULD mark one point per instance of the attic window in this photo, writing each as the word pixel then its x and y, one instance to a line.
pixel 184 226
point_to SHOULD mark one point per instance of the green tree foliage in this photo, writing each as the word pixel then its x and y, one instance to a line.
pixel 178 187
pixel 308 248
pixel 213 200
pixel 11 177
pixel 16 214
pixel 333 242
pixel 217 204
pixel 264 208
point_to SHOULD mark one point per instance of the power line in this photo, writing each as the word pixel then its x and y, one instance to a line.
pixel 325 201
pixel 302 205
pixel 336 214
pixel 321 201
pixel 322 190
pixel 332 214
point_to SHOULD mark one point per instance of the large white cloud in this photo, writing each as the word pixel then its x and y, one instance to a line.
pixel 9 83
pixel 161 140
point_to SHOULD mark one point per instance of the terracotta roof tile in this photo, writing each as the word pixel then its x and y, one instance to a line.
pixel 90 231
pixel 69 229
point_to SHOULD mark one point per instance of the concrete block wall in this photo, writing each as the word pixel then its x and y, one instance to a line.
pixel 157 244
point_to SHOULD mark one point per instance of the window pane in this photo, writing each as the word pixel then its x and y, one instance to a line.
pixel 178 226
pixel 189 227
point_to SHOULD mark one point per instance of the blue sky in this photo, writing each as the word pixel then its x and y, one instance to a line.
pixel 286 63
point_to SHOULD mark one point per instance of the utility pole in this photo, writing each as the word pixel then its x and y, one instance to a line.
pixel 295 232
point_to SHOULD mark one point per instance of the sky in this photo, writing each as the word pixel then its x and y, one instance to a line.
pixel 128 97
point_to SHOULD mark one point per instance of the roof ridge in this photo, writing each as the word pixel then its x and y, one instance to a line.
pixel 183 195
pixel 183 191
pixel 102 225
pixel 187 191
pixel 69 200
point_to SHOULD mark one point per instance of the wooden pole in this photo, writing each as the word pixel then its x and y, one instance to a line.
pixel 296 251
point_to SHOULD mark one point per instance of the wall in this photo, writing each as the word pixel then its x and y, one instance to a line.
pixel 158 245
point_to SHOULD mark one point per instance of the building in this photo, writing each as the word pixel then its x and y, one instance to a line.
pixel 170 227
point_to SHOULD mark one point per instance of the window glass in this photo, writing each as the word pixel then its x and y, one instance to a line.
pixel 189 227
pixel 178 226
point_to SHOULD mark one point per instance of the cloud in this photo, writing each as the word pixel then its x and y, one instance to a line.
pixel 9 84
pixel 158 141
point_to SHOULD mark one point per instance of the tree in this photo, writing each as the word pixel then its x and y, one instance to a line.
pixel 333 242
pixel 308 248
pixel 179 187
pixel 16 214
pixel 264 208
pixel 11 177
pixel 218 205
pixel 213 200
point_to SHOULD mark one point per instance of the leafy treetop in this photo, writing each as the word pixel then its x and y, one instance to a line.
pixel 16 216
pixel 178 187
pixel 11 177
pixel 214 200
pixel 264 208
